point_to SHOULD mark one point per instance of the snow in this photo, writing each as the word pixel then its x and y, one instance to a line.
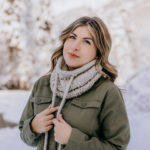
pixel 28 35
pixel 12 104
pixel 69 5
pixel 9 139
pixel 140 132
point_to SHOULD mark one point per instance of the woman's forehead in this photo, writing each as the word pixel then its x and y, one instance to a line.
pixel 82 31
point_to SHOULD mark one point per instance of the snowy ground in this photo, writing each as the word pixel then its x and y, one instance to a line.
pixel 12 103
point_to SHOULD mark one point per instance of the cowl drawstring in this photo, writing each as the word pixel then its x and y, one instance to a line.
pixel 53 103
pixel 60 107
pixel 63 102
pixel 64 96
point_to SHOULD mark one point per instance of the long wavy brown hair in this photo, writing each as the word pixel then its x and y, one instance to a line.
pixel 102 40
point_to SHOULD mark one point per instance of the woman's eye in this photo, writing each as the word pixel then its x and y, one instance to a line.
pixel 71 37
pixel 87 42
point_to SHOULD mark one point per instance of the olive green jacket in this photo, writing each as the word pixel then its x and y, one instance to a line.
pixel 98 118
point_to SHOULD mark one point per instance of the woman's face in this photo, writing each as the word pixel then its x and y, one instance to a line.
pixel 79 48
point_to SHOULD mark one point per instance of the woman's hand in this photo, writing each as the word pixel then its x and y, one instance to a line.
pixel 62 130
pixel 42 122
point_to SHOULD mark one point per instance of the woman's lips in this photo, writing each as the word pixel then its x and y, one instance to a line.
pixel 72 55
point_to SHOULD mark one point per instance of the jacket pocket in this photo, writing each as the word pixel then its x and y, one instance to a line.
pixel 40 103
pixel 84 115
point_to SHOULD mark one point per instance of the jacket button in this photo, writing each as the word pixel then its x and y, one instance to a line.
pixel 83 105
pixel 38 100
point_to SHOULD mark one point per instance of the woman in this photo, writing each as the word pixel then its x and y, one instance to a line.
pixel 77 106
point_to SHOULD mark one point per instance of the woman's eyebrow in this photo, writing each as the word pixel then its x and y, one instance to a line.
pixel 74 34
pixel 84 37
pixel 88 38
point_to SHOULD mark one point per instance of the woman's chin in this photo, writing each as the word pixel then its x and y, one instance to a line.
pixel 72 67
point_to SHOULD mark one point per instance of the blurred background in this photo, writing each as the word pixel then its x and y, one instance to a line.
pixel 29 31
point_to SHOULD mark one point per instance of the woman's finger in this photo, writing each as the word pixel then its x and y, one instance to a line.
pixel 48 123
pixel 51 110
pixel 49 117
pixel 48 128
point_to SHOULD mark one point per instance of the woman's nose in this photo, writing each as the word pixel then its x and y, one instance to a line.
pixel 76 45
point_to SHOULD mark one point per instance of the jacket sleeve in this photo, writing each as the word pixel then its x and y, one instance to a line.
pixel 26 134
pixel 114 127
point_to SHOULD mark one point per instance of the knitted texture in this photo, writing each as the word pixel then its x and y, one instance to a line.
pixel 84 79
